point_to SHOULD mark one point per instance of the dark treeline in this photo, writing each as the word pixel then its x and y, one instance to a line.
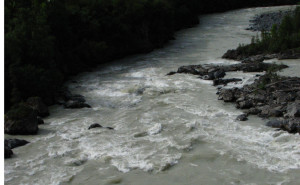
pixel 48 40
pixel 281 38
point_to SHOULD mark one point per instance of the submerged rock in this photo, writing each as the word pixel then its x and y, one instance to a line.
pixel 74 104
pixel 242 117
pixel 95 125
pixel 13 143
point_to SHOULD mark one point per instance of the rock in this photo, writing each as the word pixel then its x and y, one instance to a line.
pixel 7 152
pixel 242 117
pixel 225 81
pixel 109 128
pixel 254 59
pixel 74 104
pixel 293 109
pixel 171 73
pixel 254 111
pixel 292 125
pixel 21 120
pixel 40 120
pixel 227 95
pixel 219 74
pixel 246 104
pixel 232 54
pixel 192 69
pixel 275 123
pixel 13 143
pixel 95 125
pixel 37 104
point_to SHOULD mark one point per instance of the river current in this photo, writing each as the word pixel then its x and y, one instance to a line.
pixel 169 130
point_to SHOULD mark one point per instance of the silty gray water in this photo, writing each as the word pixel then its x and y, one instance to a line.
pixel 168 129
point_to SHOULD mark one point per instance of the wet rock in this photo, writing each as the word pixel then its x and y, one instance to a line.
pixel 109 128
pixel 37 104
pixel 242 117
pixel 21 120
pixel 7 152
pixel 232 54
pixel 254 59
pixel 227 95
pixel 95 125
pixel 219 74
pixel 75 104
pixel 171 73
pixel 293 109
pixel 254 111
pixel 225 81
pixel 246 104
pixel 275 123
pixel 13 143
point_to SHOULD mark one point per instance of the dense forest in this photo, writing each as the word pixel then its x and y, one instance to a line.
pixel 283 37
pixel 46 41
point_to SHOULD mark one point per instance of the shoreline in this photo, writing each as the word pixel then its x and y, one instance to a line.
pixel 272 97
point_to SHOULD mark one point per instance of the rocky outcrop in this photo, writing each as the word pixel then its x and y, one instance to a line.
pixel 212 72
pixel 22 120
pixel 38 105
pixel 277 98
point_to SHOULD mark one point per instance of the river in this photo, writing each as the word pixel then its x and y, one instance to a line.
pixel 169 130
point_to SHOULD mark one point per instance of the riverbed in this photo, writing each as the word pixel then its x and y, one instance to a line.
pixel 167 129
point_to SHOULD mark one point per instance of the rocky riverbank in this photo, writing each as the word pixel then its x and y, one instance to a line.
pixel 270 96
pixel 265 21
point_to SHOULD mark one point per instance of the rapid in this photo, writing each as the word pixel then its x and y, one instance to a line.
pixel 167 129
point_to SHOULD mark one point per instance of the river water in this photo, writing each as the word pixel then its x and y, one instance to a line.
pixel 169 130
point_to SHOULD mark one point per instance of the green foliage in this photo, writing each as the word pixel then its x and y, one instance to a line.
pixel 280 38
pixel 48 40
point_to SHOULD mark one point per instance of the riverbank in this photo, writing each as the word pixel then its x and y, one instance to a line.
pixel 270 96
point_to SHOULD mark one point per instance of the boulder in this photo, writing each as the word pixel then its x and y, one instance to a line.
pixel 37 104
pixel 74 104
pixel 219 74
pixel 21 120
pixel 242 117
pixel 254 111
pixel 171 73
pixel 275 123
pixel 95 125
pixel 225 81
pixel 13 143
pixel 227 95
pixel 245 104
